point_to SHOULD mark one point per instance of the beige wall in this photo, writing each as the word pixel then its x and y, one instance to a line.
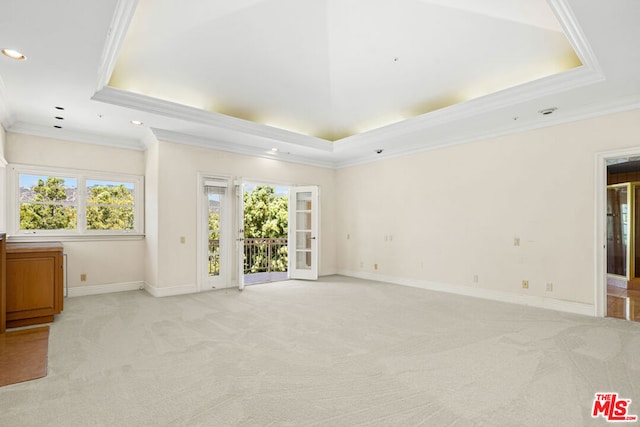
pixel 104 262
pixel 151 214
pixel 177 201
pixel 454 213
pixel 441 216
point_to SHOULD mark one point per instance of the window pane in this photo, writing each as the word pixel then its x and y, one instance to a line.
pixel 303 201
pixel 303 260
pixel 38 188
pixel 109 192
pixel 303 221
pixel 47 202
pixel 110 205
pixel 35 216
pixel 303 240
pixel 110 218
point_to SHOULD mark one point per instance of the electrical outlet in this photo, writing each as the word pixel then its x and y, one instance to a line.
pixel 516 241
pixel 183 239
pixel 475 278
pixel 549 287
pixel 375 266
pixel 83 277
pixel 525 284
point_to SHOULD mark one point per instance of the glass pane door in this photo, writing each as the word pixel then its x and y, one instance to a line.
pixel 215 235
pixel 214 200
pixel 303 229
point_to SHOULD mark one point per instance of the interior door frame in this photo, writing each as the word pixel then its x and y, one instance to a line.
pixel 600 267
pixel 202 230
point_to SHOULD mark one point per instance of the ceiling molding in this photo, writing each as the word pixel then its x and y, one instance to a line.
pixel 174 110
pixel 575 35
pixel 122 17
pixel 565 81
pixel 182 138
pixel 617 106
pixel 64 134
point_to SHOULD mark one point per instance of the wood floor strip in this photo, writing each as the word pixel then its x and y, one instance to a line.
pixel 23 355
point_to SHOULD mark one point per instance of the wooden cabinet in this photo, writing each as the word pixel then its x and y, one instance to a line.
pixel 3 309
pixel 34 285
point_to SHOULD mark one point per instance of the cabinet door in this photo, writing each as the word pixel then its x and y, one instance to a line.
pixel 30 286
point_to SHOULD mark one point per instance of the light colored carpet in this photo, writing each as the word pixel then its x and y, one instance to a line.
pixel 337 352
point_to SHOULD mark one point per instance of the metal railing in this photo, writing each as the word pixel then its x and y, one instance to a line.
pixel 265 255
pixel 260 255
pixel 214 257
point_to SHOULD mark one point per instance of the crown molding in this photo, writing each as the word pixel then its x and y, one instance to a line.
pixel 64 134
pixel 111 95
pixel 527 92
pixel 213 144
pixel 589 112
pixel 574 34
pixel 120 22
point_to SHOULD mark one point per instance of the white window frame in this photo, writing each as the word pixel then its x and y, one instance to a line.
pixel 13 202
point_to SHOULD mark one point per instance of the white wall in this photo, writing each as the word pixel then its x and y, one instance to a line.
pixel 453 213
pixel 104 262
pixel 177 201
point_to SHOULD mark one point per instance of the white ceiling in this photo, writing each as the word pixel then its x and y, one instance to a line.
pixel 328 82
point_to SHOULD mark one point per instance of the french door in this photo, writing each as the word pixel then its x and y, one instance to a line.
pixel 239 190
pixel 218 227
pixel 303 233
pixel 214 237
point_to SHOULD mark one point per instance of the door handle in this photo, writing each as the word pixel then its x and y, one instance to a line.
pixel 313 237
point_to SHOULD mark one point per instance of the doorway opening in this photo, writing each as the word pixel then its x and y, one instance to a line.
pixel 266 233
pixel 623 238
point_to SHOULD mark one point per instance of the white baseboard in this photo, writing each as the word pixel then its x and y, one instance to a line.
pixel 80 291
pixel 528 300
pixel 170 291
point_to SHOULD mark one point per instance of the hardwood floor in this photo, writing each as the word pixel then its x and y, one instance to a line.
pixel 23 355
pixel 623 303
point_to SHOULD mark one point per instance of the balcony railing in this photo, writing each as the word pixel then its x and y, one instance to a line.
pixel 214 256
pixel 260 255
pixel 265 255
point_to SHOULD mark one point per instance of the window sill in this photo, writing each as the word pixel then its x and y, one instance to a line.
pixel 73 238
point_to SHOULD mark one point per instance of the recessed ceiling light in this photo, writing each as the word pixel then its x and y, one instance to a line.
pixel 547 111
pixel 274 150
pixel 379 150
pixel 136 122
pixel 59 118
pixel 57 127
pixel 13 54
pixel 59 108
